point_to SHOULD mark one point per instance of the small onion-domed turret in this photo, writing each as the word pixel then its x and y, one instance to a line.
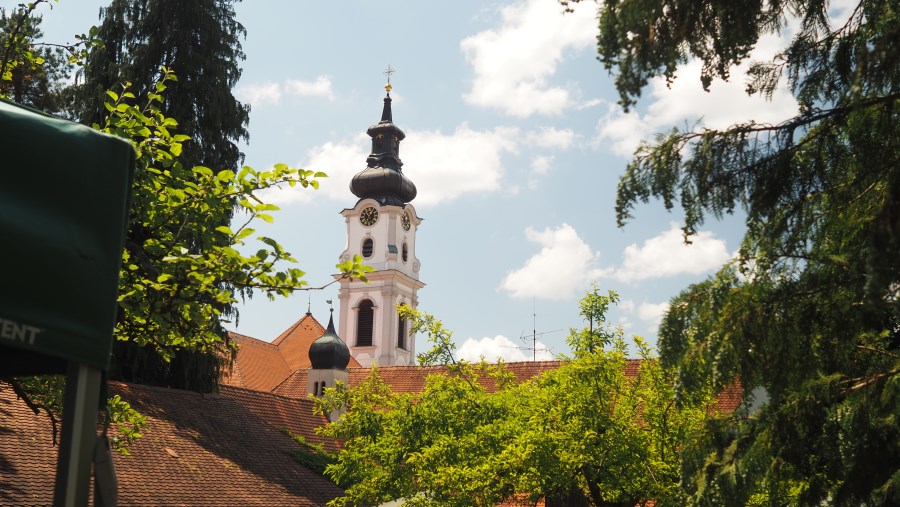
pixel 329 351
pixel 383 179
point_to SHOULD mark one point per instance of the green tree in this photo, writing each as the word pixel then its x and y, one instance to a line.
pixel 587 433
pixel 32 81
pixel 171 295
pixel 200 42
pixel 807 317
pixel 31 72
pixel 181 266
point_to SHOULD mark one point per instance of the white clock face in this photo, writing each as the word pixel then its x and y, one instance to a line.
pixel 368 216
pixel 404 220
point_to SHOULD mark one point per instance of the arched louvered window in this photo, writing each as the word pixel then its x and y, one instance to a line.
pixel 367 247
pixel 401 324
pixel 405 252
pixel 364 318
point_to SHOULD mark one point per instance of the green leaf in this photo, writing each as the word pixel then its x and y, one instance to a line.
pixel 246 231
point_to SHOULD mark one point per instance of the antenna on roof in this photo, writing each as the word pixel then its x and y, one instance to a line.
pixel 308 304
pixel 534 334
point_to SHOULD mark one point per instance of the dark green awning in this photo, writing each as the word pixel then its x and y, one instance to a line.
pixel 64 194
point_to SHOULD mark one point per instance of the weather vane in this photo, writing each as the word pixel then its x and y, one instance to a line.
pixel 390 70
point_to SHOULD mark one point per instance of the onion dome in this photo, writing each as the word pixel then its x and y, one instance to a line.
pixel 329 352
pixel 383 178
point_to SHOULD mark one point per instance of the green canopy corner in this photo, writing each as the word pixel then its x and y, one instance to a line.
pixel 64 192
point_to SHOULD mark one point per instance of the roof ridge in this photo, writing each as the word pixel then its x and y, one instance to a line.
pixel 164 389
pixel 262 343
pixel 235 333
pixel 269 393
pixel 236 368
pixel 284 334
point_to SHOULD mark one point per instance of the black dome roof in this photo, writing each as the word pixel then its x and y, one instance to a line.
pixel 329 352
pixel 383 178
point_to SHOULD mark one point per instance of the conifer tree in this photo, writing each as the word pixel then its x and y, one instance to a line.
pixel 808 317
pixel 200 43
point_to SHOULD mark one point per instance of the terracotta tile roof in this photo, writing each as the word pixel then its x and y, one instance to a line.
pixel 294 386
pixel 730 399
pixel 261 365
pixel 258 365
pixel 27 458
pixel 295 341
pixel 293 414
pixel 198 450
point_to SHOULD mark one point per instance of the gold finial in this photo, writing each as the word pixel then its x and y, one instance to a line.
pixel 390 70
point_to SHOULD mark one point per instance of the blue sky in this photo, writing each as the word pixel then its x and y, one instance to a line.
pixel 514 141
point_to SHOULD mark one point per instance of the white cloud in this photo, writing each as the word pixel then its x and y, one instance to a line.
pixel 564 265
pixel 259 94
pixel 667 255
pixel 652 313
pixel 551 138
pixel 589 104
pixel 498 347
pixel 512 63
pixel 623 132
pixel 626 305
pixel 685 103
pixel 443 166
pixel 541 164
pixel 321 87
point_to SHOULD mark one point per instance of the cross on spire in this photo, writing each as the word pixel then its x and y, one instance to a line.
pixel 390 70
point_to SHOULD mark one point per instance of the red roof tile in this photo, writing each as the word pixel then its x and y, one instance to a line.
pixel 729 399
pixel 258 365
pixel 197 450
pixel 293 414
pixel 261 365
pixel 295 341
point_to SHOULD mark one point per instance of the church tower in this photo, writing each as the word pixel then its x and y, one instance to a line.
pixel 382 229
pixel 328 359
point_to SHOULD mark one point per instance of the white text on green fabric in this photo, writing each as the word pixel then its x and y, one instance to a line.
pixel 12 330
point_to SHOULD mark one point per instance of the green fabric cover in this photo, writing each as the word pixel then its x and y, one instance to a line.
pixel 64 192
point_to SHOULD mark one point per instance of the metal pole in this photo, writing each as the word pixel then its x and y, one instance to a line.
pixel 79 430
